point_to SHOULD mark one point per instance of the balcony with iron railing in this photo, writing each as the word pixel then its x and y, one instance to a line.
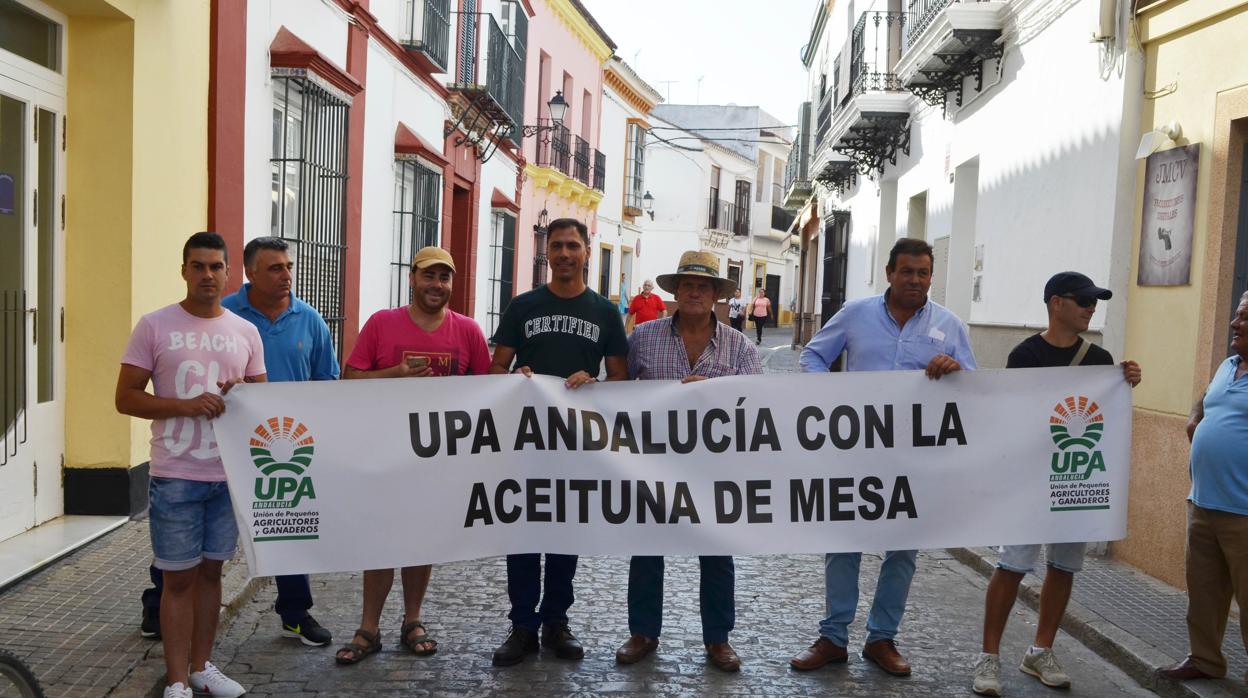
pixel 870 108
pixel 600 170
pixel 727 217
pixel 426 33
pixel 797 186
pixel 947 43
pixel 489 76
pixel 554 147
pixel 580 161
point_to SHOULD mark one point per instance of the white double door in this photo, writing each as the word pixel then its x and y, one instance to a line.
pixel 32 301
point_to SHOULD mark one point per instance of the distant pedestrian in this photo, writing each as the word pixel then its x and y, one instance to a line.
pixel 191 352
pixel 1217 511
pixel 760 312
pixel 561 329
pixel 899 330
pixel 419 340
pixel 1070 298
pixel 646 306
pixel 736 311
pixel 690 346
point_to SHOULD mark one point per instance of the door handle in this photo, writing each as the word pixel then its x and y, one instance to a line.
pixel 34 335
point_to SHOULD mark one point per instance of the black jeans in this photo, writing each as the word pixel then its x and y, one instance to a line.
pixel 738 323
pixel 715 597
pixel 294 595
pixel 759 324
pixel 525 589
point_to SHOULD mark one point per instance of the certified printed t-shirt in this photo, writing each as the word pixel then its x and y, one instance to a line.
pixel 456 348
pixel 556 336
pixel 646 308
pixel 187 356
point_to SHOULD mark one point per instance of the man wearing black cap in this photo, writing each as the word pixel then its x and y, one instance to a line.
pixel 1071 299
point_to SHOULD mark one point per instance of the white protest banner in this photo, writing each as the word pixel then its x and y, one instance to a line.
pixel 370 474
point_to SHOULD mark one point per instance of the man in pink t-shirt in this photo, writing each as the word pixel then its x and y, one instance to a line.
pixel 192 352
pixel 419 340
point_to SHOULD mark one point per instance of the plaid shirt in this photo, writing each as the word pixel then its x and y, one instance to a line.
pixel 656 352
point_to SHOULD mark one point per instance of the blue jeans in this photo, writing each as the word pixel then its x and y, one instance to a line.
pixel 525 587
pixel 189 522
pixel 715 597
pixel 891 590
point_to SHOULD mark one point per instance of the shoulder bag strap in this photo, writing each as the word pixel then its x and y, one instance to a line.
pixel 1083 351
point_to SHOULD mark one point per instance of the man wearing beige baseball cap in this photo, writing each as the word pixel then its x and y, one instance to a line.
pixel 691 345
pixel 419 340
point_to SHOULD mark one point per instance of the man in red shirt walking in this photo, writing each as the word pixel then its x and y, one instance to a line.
pixel 646 306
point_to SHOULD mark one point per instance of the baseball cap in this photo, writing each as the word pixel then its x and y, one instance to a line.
pixel 429 256
pixel 1076 284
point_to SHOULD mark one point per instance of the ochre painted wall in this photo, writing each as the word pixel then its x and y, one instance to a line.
pixel 137 187
pixel 1177 333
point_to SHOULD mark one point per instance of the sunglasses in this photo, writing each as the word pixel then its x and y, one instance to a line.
pixel 1082 302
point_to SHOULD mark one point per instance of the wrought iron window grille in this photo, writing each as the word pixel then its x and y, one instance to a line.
pixel 417 203
pixel 309 172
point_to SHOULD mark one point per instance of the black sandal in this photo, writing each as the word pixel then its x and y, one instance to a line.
pixel 423 639
pixel 357 652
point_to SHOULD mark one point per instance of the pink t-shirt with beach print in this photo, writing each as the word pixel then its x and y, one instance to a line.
pixel 187 355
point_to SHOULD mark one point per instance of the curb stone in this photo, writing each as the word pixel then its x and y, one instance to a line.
pixel 1134 656
pixel 147 677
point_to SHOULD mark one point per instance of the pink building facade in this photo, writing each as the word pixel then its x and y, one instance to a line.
pixel 565 170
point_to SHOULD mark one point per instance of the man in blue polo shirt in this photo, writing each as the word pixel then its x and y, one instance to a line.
pixel 1217 511
pixel 900 330
pixel 297 347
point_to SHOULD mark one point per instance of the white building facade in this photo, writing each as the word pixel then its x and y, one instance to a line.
pixel 993 130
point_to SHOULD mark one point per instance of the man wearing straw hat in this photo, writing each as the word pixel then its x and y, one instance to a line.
pixel 691 345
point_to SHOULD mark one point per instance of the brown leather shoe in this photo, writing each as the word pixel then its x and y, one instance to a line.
pixel 824 651
pixel 1185 670
pixel 635 649
pixel 723 656
pixel 885 655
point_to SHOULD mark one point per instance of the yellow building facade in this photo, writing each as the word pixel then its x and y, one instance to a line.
pixel 113 100
pixel 1196 76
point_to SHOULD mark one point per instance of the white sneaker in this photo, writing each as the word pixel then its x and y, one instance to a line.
pixel 1043 665
pixel 214 683
pixel 988 675
pixel 178 690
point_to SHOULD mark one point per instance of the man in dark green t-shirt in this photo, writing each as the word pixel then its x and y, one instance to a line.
pixel 561 329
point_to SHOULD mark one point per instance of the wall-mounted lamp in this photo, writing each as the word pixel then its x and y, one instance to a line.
pixel 647 203
pixel 558 108
pixel 1155 138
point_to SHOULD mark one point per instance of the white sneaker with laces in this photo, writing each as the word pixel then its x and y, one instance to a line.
pixel 1043 665
pixel 988 675
pixel 214 683
pixel 178 690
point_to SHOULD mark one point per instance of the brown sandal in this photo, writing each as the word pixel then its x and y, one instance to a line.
pixel 355 652
pixel 423 639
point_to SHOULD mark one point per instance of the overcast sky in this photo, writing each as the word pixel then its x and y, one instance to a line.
pixel 745 51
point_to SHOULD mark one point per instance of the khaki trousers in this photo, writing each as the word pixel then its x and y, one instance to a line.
pixel 1217 568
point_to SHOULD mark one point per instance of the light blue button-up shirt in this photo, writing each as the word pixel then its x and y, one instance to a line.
pixel 867 331
pixel 1219 473
pixel 297 345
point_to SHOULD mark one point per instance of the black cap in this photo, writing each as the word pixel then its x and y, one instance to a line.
pixel 1076 284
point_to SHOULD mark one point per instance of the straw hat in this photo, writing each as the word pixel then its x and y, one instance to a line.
pixel 702 264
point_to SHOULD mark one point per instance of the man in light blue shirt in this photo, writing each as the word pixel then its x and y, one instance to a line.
pixel 297 347
pixel 900 330
pixel 1217 510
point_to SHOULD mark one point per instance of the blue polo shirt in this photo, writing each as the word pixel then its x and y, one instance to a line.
pixel 297 346
pixel 1218 467
pixel 874 342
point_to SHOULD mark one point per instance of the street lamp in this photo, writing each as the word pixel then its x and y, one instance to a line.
pixel 558 108
pixel 647 202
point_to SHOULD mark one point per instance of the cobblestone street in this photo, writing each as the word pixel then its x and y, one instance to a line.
pixel 779 603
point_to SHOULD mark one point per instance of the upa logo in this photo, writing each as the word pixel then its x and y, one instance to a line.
pixel 1076 426
pixel 282 449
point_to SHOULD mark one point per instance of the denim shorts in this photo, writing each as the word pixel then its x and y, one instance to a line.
pixel 190 521
pixel 1067 557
